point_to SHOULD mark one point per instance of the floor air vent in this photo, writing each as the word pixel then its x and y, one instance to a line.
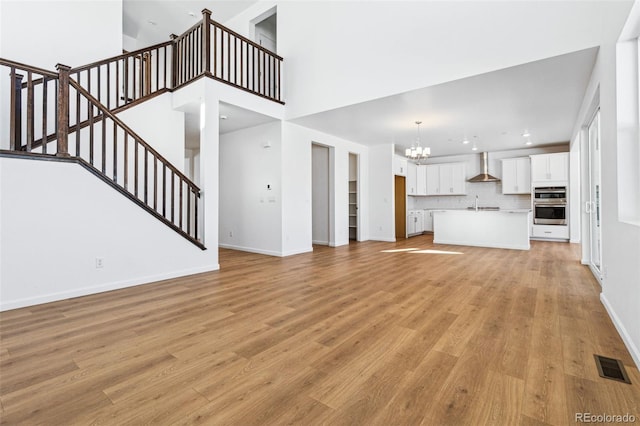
pixel 610 368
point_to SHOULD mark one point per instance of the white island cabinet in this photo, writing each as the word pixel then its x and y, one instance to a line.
pixel 485 228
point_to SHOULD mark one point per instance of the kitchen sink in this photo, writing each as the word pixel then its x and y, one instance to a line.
pixel 484 208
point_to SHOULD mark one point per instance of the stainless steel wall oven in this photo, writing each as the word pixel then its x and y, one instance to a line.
pixel 550 205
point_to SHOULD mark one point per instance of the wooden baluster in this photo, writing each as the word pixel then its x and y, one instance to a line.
pixel 195 215
pixel 15 136
pixel 109 86
pixel 45 93
pixel 146 61
pixel 30 120
pixel 188 209
pixel 180 200
pixel 264 72
pixel 253 68
pixel 146 175
pixel 206 40
pixel 115 153
pixel 278 82
pixel 155 183
pixel 165 66
pixel 78 118
pixel 215 51
pixel 172 196
pixel 117 83
pixel 235 61
pixel 125 79
pixel 63 110
pixel 157 69
pixel 99 94
pixel 126 161
pixel 104 144
pixel 135 167
pixel 242 63
pixel 228 56
pixel 90 137
pixel 164 190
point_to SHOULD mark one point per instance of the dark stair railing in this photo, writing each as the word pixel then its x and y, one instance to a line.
pixel 86 131
pixel 71 113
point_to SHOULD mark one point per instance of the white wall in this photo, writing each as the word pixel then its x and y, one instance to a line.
pixel 62 218
pixel 296 192
pixel 620 240
pixel 250 213
pixel 320 194
pixel 340 53
pixel 381 193
pixel 160 126
pixel 298 140
pixel 74 33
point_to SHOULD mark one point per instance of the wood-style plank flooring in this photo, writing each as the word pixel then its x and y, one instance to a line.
pixel 354 335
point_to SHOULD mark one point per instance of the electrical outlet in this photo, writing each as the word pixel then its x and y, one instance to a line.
pixel 99 262
pixel 231 233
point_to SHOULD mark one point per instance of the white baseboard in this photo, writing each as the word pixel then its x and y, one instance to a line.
pixel 297 251
pixel 85 291
pixel 251 250
pixel 320 243
pixel 633 349
pixel 267 252
pixel 386 240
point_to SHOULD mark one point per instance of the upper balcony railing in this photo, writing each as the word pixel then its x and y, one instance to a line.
pixel 206 49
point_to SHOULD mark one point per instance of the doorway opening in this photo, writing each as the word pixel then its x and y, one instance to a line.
pixel 400 201
pixel 594 195
pixel 354 215
pixel 320 195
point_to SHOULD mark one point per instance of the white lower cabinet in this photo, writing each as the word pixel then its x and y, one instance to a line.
pixel 556 232
pixel 415 222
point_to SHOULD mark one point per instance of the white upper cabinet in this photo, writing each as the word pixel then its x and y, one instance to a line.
pixel 421 180
pixel 516 176
pixel 433 179
pixel 412 174
pixel 547 168
pixel 399 166
pixel 446 179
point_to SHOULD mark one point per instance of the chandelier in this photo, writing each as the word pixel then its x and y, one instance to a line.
pixel 417 152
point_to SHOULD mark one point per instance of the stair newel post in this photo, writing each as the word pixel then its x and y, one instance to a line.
pixel 16 111
pixel 63 110
pixel 174 61
pixel 206 41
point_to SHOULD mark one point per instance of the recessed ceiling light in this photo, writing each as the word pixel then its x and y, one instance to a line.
pixel 526 134
pixel 465 141
pixel 528 143
pixel 223 117
pixel 475 148
pixel 191 14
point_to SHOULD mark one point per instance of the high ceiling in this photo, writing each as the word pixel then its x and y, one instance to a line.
pixel 152 21
pixel 493 110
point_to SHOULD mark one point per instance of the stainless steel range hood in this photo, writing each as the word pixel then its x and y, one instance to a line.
pixel 484 175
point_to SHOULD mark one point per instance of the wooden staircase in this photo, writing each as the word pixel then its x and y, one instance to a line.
pixel 71 114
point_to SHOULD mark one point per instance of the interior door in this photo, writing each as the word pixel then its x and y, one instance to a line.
pixel 401 207
pixel 595 194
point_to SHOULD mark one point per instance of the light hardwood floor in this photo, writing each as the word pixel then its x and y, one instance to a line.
pixel 342 336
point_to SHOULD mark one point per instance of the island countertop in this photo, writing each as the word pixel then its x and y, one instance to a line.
pixel 508 228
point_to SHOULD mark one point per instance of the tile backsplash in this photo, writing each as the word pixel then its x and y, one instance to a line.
pixel 489 195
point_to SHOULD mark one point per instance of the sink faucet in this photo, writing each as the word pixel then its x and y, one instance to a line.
pixel 476 204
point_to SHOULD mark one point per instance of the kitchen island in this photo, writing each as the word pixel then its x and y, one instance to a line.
pixel 483 228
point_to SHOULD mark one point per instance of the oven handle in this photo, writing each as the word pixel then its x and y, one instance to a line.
pixel 549 205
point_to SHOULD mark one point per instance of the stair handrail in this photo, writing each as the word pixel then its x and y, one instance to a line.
pixel 136 86
pixel 133 134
